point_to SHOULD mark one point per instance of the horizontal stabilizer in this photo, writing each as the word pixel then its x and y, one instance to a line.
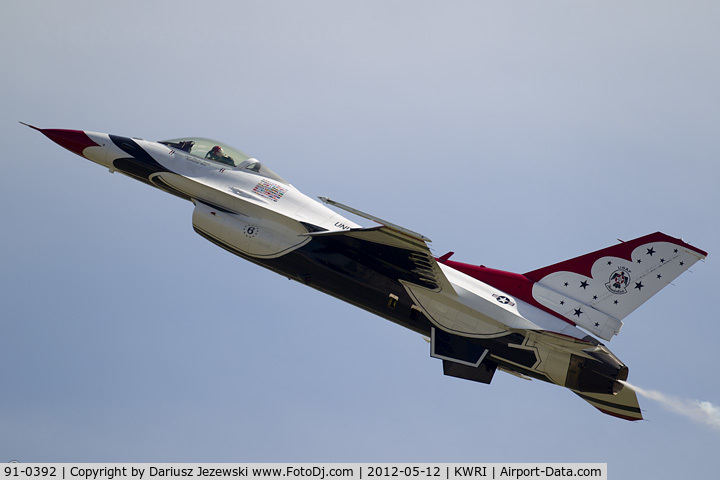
pixel 622 405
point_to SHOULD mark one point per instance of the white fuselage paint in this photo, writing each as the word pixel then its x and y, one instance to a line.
pixel 260 227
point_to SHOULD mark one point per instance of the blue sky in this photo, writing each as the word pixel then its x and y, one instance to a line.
pixel 515 134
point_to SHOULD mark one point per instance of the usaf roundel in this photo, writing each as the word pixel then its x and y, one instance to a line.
pixel 619 281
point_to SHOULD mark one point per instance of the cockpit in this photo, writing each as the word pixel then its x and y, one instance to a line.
pixel 222 154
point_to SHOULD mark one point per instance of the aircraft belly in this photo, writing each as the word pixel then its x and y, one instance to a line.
pixel 334 266
pixel 337 266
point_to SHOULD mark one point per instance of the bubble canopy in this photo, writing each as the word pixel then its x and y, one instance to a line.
pixel 221 153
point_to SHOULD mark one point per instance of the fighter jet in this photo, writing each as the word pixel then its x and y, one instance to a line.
pixel 477 320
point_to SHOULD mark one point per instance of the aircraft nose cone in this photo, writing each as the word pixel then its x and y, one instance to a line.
pixel 74 140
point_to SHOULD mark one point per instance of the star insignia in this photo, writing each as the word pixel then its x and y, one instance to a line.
pixel 682 263
pixel 566 284
pixel 609 263
pixel 659 276
pixel 650 251
pixel 639 285
pixel 639 261
pixel 675 250
pixel 597 324
pixel 662 260
pixel 562 302
pixel 594 297
pixel 578 311
pixel 615 302
pixel 584 285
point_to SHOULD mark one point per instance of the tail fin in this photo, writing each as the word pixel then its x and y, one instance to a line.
pixel 599 289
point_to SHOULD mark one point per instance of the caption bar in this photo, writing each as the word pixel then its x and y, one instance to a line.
pixel 302 471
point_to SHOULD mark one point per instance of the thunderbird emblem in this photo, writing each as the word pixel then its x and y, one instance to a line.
pixel 619 280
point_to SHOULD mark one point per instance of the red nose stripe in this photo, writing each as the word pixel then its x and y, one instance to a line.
pixel 74 140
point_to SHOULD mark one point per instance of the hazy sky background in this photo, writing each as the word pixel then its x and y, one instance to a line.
pixel 517 134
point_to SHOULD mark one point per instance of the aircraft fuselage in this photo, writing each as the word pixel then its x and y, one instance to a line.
pixel 473 326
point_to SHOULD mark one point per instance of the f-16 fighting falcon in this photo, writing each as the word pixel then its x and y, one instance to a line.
pixel 535 325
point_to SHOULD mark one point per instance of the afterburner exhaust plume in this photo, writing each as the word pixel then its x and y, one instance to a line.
pixel 701 412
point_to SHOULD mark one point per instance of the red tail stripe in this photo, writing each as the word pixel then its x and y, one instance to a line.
pixel 582 265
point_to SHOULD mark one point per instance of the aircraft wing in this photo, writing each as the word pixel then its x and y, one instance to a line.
pixel 416 260
pixel 460 308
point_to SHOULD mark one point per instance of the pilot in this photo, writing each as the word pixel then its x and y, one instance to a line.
pixel 216 153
